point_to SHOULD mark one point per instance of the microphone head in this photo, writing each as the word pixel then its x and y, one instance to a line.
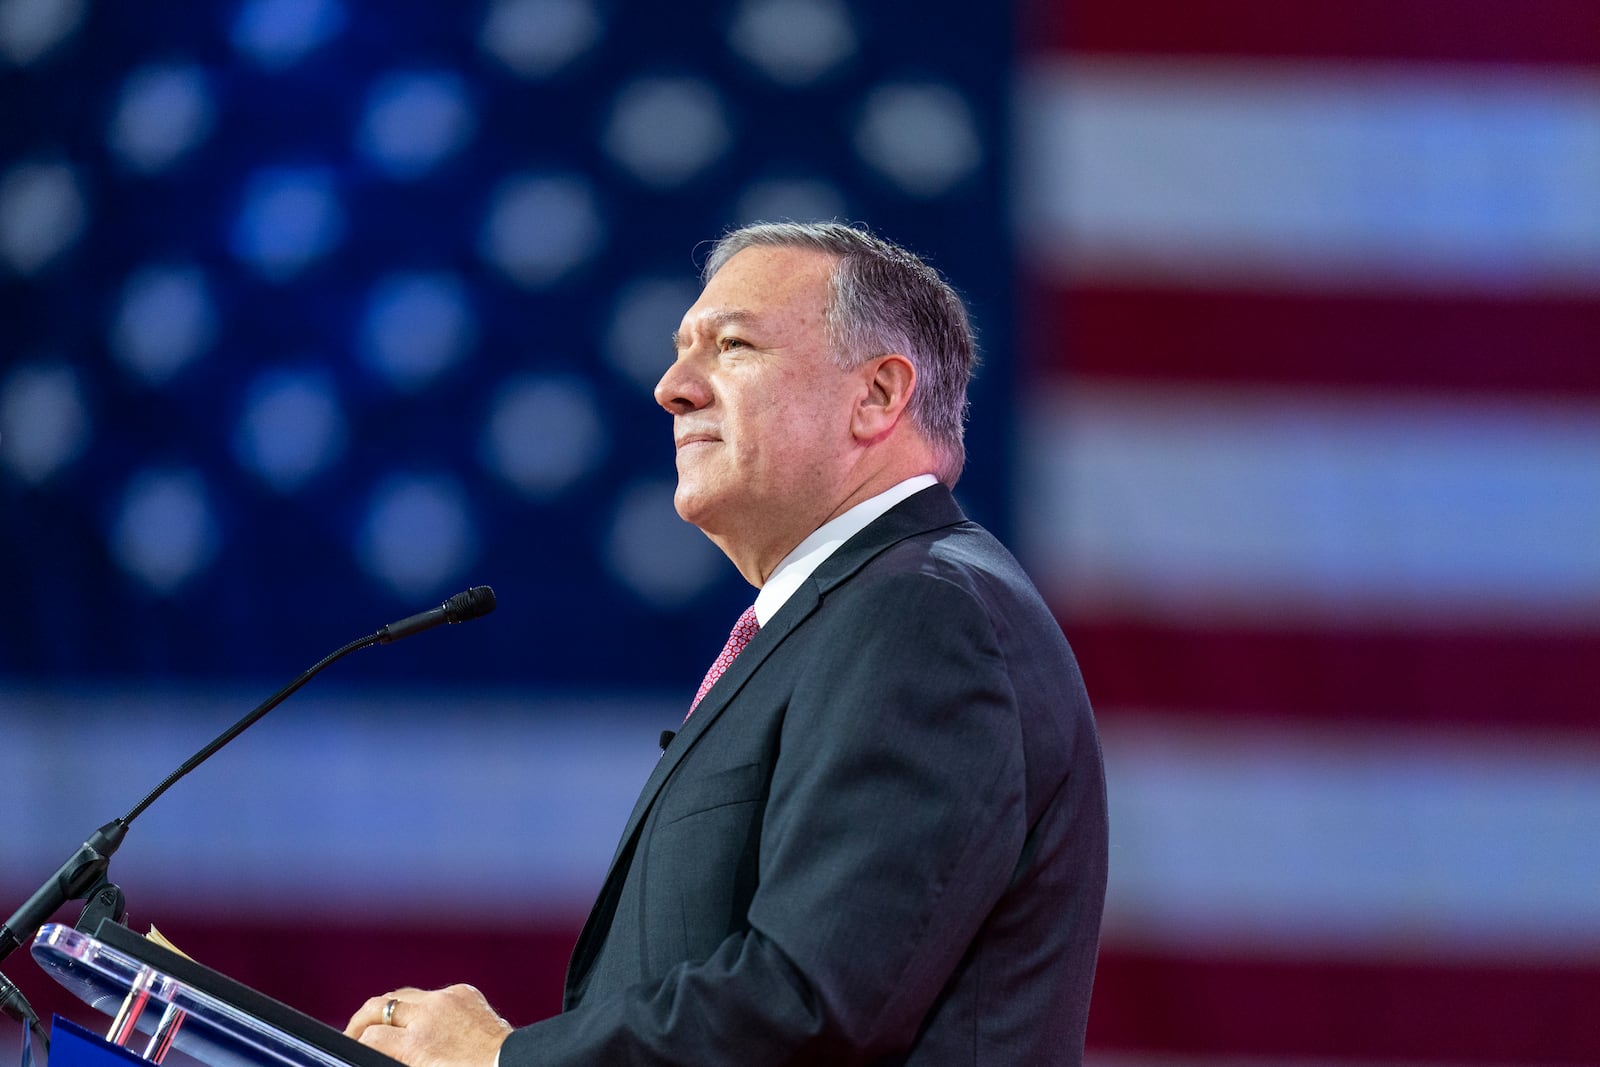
pixel 474 603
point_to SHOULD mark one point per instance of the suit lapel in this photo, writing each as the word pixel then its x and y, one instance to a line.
pixel 711 707
pixel 716 699
pixel 928 510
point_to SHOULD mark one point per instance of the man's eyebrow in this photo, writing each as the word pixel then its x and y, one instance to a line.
pixel 716 320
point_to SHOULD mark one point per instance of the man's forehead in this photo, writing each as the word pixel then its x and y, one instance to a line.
pixel 758 283
pixel 764 276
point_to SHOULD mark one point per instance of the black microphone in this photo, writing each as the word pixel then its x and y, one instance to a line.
pixel 85 871
pixel 475 602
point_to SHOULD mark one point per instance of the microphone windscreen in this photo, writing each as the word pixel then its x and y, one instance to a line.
pixel 474 603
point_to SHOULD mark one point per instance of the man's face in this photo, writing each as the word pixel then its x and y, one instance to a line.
pixel 761 414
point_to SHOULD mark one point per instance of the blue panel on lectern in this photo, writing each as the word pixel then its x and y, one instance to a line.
pixel 72 1045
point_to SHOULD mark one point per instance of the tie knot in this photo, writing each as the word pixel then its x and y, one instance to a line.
pixel 743 631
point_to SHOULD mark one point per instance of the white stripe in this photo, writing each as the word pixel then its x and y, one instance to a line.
pixel 1339 842
pixel 380 804
pixel 372 801
pixel 1194 502
pixel 1317 175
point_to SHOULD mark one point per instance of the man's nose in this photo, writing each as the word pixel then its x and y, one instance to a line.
pixel 682 388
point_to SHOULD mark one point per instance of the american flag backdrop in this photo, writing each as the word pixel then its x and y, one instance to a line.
pixel 1311 469
pixel 313 313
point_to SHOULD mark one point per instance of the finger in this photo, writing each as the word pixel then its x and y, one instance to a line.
pixel 386 1039
pixel 369 1014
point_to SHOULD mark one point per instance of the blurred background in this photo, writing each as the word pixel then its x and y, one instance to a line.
pixel 313 313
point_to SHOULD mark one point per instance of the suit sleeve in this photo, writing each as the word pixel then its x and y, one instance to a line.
pixel 894 821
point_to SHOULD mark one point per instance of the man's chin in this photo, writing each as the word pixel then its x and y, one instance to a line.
pixel 692 505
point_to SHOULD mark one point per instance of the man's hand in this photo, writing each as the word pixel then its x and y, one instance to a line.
pixel 452 1027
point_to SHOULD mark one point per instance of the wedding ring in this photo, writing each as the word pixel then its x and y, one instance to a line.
pixel 388 1011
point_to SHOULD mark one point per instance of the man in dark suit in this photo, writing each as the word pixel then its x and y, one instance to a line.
pixel 880 836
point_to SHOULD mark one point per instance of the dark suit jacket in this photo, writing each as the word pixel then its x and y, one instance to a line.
pixel 881 838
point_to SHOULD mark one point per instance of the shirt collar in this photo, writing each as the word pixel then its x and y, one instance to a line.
pixel 792 571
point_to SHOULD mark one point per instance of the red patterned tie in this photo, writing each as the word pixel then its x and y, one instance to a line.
pixel 743 631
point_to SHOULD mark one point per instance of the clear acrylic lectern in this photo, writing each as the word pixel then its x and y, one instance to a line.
pixel 148 989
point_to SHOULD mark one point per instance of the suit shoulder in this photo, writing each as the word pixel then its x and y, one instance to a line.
pixel 956 571
pixel 965 555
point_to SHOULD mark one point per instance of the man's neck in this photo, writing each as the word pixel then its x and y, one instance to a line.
pixel 757 559
pixel 792 571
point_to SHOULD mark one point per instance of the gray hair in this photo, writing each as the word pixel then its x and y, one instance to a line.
pixel 884 299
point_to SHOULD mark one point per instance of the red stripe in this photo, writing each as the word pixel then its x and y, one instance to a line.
pixel 1544 344
pixel 1383 1011
pixel 1505 31
pixel 1450 678
pixel 1149 1002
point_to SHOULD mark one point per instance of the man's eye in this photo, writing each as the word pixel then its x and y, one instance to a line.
pixel 732 342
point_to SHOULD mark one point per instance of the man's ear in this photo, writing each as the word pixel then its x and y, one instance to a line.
pixel 890 380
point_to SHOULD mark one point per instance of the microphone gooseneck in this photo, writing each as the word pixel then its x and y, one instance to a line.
pixel 86 868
